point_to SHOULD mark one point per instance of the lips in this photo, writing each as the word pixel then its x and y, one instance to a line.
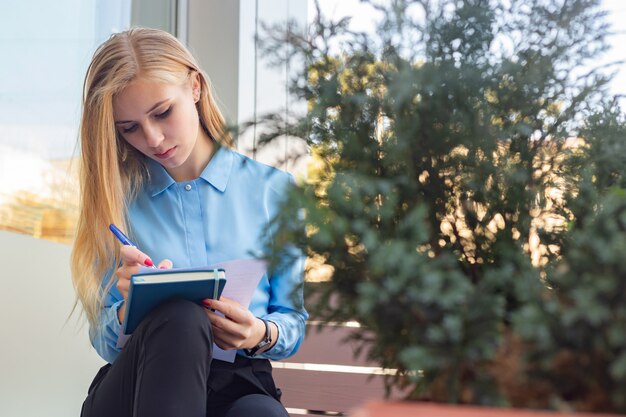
pixel 168 153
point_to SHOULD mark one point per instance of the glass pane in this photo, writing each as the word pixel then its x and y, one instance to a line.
pixel 46 56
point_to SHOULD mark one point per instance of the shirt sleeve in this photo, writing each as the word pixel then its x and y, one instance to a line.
pixel 287 311
pixel 286 301
pixel 105 333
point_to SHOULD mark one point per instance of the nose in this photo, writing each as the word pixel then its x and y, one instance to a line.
pixel 153 135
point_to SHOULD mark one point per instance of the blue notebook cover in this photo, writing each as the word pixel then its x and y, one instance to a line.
pixel 149 288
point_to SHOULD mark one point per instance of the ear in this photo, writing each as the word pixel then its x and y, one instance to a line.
pixel 196 86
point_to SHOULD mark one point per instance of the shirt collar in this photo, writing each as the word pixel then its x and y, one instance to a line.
pixel 217 172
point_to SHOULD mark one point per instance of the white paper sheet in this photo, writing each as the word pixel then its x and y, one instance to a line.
pixel 242 278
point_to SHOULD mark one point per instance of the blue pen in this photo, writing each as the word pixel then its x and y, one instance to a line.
pixel 122 237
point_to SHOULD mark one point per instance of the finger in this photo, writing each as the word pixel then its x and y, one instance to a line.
pixel 226 343
pixel 166 264
pixel 218 321
pixel 229 308
pixel 123 274
pixel 122 287
pixel 226 328
pixel 223 343
pixel 226 340
pixel 133 256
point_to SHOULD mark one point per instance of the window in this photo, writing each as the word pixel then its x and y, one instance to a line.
pixel 46 54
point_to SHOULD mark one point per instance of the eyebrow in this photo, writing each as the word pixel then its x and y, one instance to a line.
pixel 119 122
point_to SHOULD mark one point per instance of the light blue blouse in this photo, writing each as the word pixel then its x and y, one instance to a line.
pixel 220 216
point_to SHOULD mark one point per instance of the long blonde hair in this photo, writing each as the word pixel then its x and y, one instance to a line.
pixel 111 171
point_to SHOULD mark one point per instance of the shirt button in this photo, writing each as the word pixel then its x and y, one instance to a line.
pixel 188 187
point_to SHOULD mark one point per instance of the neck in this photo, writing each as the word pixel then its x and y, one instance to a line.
pixel 199 158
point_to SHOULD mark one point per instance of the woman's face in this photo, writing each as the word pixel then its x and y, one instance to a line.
pixel 161 121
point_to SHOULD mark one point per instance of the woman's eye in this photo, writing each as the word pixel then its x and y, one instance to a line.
pixel 129 129
pixel 164 114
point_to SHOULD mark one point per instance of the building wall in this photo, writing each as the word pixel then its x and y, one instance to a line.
pixel 222 35
pixel 46 360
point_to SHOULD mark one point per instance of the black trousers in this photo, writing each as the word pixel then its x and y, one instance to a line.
pixel 165 369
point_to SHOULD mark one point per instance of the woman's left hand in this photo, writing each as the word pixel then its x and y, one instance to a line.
pixel 238 329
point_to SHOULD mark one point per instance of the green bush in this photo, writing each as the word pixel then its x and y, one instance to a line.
pixel 468 193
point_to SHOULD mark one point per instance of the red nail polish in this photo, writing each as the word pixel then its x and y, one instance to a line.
pixel 148 262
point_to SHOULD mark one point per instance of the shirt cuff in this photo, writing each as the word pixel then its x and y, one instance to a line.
pixel 104 337
pixel 289 338
pixel 115 319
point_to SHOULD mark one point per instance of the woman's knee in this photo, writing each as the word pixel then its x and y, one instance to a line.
pixel 181 319
pixel 180 309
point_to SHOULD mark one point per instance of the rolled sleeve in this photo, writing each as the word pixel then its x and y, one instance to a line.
pixel 105 333
pixel 291 328
pixel 286 310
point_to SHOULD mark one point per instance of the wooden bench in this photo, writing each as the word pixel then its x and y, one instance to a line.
pixel 324 378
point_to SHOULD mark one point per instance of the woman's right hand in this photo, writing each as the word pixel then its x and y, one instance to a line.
pixel 132 261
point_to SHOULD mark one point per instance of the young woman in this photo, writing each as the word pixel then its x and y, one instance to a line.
pixel 156 160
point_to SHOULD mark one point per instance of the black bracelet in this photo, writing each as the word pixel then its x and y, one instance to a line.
pixel 267 340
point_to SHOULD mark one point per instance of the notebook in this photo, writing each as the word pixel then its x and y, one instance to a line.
pixel 152 287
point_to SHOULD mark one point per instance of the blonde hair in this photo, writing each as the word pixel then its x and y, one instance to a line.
pixel 111 170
